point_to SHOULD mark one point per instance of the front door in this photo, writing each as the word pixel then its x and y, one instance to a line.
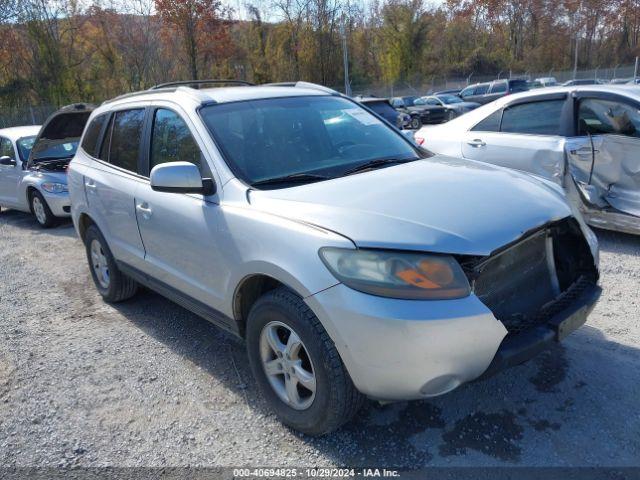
pixel 180 232
pixel 605 157
pixel 9 174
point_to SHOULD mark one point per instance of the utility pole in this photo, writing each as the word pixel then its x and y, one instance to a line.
pixel 345 57
pixel 575 61
pixel 635 70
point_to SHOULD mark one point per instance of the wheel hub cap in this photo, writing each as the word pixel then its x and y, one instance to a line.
pixel 287 364
pixel 38 210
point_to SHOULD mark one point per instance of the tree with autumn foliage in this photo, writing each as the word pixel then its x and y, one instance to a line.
pixel 200 25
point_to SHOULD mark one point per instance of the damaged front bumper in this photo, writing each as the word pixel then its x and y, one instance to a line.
pixel 520 348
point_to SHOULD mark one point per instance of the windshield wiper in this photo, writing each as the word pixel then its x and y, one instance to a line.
pixel 380 162
pixel 293 178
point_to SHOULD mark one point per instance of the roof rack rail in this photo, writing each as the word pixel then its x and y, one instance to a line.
pixel 300 84
pixel 201 82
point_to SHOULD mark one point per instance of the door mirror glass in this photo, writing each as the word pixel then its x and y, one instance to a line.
pixel 180 177
pixel 7 161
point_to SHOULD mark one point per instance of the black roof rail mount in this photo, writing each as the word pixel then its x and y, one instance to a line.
pixel 202 82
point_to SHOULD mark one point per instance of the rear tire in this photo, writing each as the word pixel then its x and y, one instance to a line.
pixel 42 212
pixel 335 399
pixel 112 284
pixel 416 123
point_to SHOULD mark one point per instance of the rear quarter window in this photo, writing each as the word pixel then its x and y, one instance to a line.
pixel 92 135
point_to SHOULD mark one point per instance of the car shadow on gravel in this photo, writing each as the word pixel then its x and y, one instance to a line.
pixel 542 399
pixel 26 221
pixel 617 242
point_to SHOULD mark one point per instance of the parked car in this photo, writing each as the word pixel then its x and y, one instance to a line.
pixel 547 81
pixel 582 81
pixel 489 91
pixel 352 262
pixel 454 105
pixel 382 106
pixel 620 81
pixel 34 162
pixel 635 81
pixel 421 113
pixel 450 91
pixel 531 85
pixel 585 139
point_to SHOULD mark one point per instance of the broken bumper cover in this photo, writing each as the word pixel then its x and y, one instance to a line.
pixel 520 348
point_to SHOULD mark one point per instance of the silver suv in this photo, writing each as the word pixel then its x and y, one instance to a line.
pixel 352 262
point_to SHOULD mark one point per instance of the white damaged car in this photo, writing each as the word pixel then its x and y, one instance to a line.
pixel 585 139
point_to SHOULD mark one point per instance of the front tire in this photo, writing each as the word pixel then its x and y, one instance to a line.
pixel 416 123
pixel 112 284
pixel 297 366
pixel 42 212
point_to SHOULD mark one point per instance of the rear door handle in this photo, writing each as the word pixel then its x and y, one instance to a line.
pixel 89 183
pixel 476 142
pixel 144 209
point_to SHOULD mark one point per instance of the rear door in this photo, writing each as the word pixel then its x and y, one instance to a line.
pixel 604 157
pixel 111 182
pixel 526 136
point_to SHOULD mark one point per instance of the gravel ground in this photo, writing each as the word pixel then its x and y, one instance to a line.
pixel 146 383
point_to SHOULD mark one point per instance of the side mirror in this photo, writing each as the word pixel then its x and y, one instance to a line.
pixel 180 177
pixel 8 161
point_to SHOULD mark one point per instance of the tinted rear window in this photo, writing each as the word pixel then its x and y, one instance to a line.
pixel 539 118
pixel 122 142
pixel 383 109
pixel 91 137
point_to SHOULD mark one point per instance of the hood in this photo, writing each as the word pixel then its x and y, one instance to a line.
pixel 440 204
pixel 60 134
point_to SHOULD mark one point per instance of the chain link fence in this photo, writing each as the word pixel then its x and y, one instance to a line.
pixel 28 115
pixel 435 83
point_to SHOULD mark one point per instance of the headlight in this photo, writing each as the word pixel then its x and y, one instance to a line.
pixel 52 187
pixel 403 275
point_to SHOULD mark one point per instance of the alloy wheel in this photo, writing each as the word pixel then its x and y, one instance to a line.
pixel 99 264
pixel 287 365
pixel 38 210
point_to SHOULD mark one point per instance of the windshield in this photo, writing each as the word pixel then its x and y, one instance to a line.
pixel 278 137
pixel 25 144
pixel 449 99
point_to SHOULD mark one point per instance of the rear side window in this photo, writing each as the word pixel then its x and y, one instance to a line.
pixel 171 140
pixel 91 136
pixel 598 117
pixel 489 124
pixel 121 146
pixel 539 118
pixel 499 87
pixel 481 89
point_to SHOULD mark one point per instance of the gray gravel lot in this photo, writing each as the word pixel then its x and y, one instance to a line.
pixel 146 383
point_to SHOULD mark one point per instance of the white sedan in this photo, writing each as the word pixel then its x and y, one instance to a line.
pixel 584 138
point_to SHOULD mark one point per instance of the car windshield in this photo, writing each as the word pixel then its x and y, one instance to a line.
pixel 321 136
pixel 25 144
pixel 449 99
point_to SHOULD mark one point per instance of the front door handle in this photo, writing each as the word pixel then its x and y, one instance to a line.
pixel 476 142
pixel 144 209
pixel 89 183
pixel 583 151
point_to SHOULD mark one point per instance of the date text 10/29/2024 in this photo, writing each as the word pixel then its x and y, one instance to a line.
pixel 314 473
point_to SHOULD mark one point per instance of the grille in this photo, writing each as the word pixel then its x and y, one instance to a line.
pixel 525 285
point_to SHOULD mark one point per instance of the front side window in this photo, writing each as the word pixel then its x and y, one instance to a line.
pixel 6 148
pixel 25 144
pixel 537 118
pixel 318 135
pixel 91 136
pixel 121 146
pixel 467 92
pixel 171 140
pixel 601 117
